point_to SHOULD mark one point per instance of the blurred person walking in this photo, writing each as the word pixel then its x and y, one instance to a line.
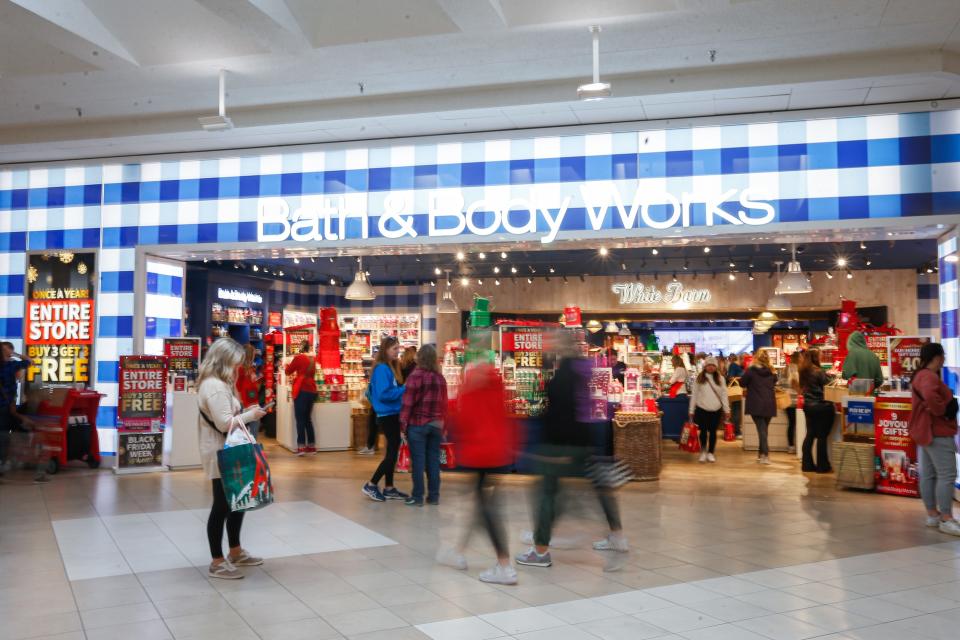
pixel 484 441
pixel 408 363
pixel 790 381
pixel 386 396
pixel 220 411
pixel 734 371
pixel 933 425
pixel 760 382
pixel 565 451
pixel 819 413
pixel 709 404
pixel 13 366
pixel 304 391
pixel 422 416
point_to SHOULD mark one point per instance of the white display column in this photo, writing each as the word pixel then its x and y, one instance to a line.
pixel 182 436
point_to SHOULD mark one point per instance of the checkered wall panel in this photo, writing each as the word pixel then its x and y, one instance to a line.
pixel 819 171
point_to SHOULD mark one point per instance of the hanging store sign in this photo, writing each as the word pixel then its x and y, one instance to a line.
pixel 143 391
pixel 239 296
pixel 450 214
pixel 903 353
pixel 60 320
pixel 673 293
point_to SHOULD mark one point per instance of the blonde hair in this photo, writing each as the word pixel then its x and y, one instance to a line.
pixel 762 358
pixel 221 361
pixel 249 355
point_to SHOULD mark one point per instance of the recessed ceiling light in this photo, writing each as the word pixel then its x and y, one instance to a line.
pixel 436 270
pixel 604 251
pixel 841 262
pixel 460 255
pixel 706 249
pixel 465 281
pixel 503 255
pixel 482 255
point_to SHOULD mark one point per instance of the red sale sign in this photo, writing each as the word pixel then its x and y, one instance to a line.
pixel 896 453
pixel 59 322
pixel 904 354
pixel 143 391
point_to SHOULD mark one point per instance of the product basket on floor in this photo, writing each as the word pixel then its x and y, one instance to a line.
pixel 636 441
pixel 854 464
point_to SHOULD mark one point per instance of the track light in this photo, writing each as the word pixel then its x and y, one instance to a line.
pixel 497 282
pixel 829 276
pixel 732 276
pixel 503 255
pixel 604 251
pixel 513 269
pixel 849 275
pixel 296 261
pixel 437 271
pixel 219 122
pixel 460 255
pixel 706 249
pixel 333 282
pixel 529 280
pixel 482 255
pixel 595 90
pixel 256 268
pixel 496 269
pixel 841 262
pixel 655 252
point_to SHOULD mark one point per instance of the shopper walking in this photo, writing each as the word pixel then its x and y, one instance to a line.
pixel 484 441
pixel 13 366
pixel 734 371
pixel 422 417
pixel 220 411
pixel 933 423
pixel 303 368
pixel 861 363
pixel 790 381
pixel 709 404
pixel 248 385
pixel 760 383
pixel 818 412
pixel 386 396
pixel 679 377
pixel 565 451
pixel 408 362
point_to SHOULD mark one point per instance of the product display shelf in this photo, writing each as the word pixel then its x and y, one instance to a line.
pixel 374 327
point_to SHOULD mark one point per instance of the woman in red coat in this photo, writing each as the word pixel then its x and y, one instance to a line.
pixel 484 442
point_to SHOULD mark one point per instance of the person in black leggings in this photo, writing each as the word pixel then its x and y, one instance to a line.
pixel 818 412
pixel 386 396
pixel 709 403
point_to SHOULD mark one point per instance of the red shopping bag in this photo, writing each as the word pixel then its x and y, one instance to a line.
pixel 690 438
pixel 447 458
pixel 676 388
pixel 403 458
pixel 729 432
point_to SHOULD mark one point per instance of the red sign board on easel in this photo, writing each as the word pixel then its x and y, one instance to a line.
pixel 896 453
pixel 143 392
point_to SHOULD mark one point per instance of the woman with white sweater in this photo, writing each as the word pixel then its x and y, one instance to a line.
pixel 708 405
pixel 220 411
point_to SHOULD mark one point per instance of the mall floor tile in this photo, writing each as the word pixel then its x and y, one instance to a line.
pixel 730 550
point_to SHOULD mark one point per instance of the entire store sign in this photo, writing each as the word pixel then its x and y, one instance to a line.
pixel 143 391
pixel 449 213
pixel 526 344
pixel 183 356
pixel 673 293
pixel 60 319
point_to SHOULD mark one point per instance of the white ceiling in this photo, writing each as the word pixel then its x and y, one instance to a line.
pixel 90 78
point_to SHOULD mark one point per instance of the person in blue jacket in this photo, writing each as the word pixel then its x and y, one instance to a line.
pixel 386 396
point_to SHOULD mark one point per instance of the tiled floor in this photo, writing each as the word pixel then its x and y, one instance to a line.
pixel 731 550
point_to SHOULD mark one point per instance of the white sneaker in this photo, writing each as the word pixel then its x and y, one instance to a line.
pixel 791 450
pixel 703 456
pixel 556 542
pixel 764 460
pixel 950 527
pixel 499 574
pixel 711 457
pixel 612 543
pixel 452 558
pixel 933 521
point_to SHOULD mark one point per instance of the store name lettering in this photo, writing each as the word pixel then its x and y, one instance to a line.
pixel 449 214
pixel 674 293
pixel 239 296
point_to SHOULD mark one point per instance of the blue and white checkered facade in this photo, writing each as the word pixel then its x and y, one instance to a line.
pixel 949 305
pixel 595 185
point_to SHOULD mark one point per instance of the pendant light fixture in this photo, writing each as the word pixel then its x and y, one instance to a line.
pixel 795 281
pixel 778 301
pixel 447 304
pixel 594 325
pixel 625 330
pixel 360 288
pixel 595 90
pixel 611 327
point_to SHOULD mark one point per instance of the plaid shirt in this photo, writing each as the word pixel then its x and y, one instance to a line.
pixel 425 398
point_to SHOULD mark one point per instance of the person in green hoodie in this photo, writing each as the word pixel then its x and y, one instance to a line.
pixel 861 363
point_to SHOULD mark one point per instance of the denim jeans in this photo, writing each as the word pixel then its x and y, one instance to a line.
pixel 302 408
pixel 424 441
pixel 763 434
pixel 938 472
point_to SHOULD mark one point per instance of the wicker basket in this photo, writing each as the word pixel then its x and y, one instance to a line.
pixel 854 464
pixel 358 435
pixel 636 440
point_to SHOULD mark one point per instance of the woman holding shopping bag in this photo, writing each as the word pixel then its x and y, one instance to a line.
pixel 709 405
pixel 422 417
pixel 220 410
pixel 760 382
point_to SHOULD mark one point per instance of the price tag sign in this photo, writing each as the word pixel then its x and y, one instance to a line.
pixel 904 354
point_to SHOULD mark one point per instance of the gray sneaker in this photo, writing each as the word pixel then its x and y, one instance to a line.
pixel 531 558
pixel 245 560
pixel 224 571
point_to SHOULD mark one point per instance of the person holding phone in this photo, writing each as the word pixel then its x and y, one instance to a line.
pixel 220 411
